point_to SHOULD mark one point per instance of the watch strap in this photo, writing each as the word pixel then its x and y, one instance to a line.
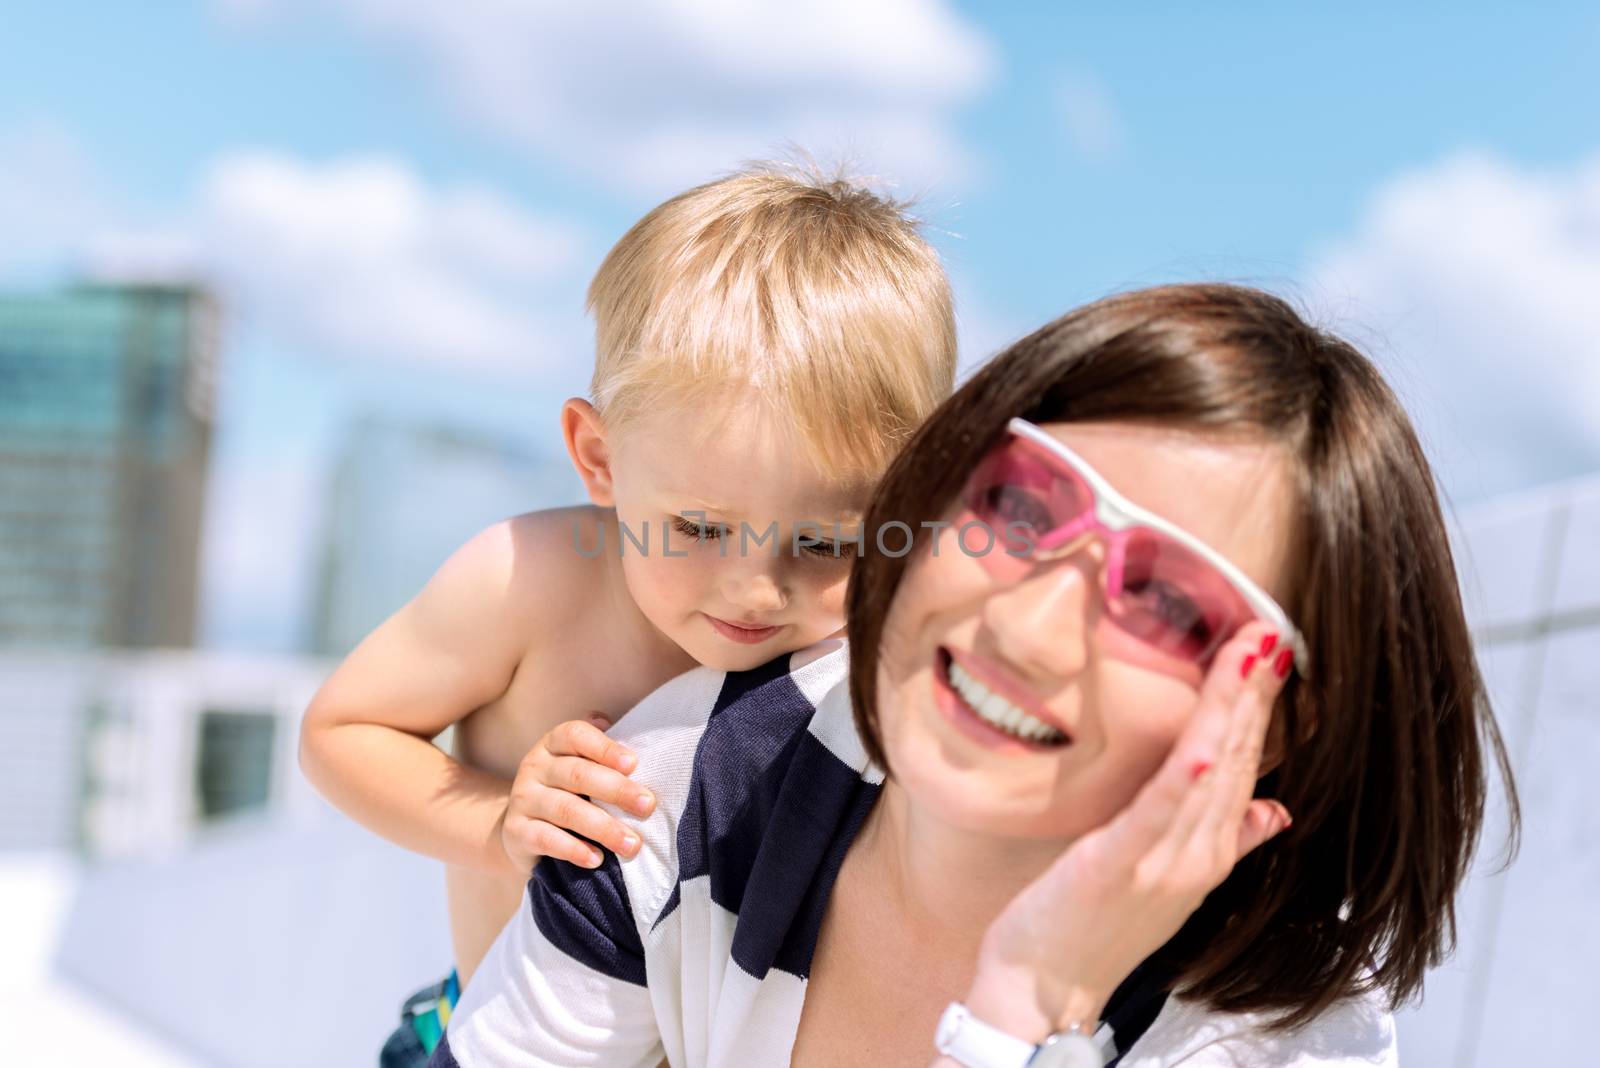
pixel 976 1044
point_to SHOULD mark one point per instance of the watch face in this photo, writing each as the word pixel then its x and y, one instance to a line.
pixel 1067 1051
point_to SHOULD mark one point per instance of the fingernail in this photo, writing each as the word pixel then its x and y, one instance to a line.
pixel 1269 643
pixel 641 804
pixel 594 858
pixel 1199 768
pixel 1284 662
pixel 1244 669
pixel 630 841
pixel 628 762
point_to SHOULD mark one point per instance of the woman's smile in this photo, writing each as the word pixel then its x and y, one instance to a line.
pixel 991 710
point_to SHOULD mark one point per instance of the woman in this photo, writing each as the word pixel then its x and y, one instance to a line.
pixel 1162 574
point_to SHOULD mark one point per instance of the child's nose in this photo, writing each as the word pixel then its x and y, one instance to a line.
pixel 755 591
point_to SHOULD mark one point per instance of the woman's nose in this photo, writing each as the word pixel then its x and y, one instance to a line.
pixel 1043 623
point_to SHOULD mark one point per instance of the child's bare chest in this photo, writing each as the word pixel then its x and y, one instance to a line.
pixel 582 673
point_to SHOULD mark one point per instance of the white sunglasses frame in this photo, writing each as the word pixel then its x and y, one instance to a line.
pixel 1117 513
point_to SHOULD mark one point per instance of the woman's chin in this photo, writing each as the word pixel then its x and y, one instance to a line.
pixel 984 797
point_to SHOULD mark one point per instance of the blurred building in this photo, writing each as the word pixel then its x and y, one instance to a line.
pixel 180 742
pixel 139 754
pixel 402 499
pixel 45 697
pixel 106 397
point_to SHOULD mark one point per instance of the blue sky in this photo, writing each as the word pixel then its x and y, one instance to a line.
pixel 390 190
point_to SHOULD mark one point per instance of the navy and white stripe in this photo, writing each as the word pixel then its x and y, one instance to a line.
pixel 699 948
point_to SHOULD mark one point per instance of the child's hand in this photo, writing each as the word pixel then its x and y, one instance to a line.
pixel 573 762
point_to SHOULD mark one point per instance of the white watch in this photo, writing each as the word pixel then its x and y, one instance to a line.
pixel 976 1044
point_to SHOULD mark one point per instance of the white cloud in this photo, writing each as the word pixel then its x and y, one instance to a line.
pixel 361 258
pixel 653 98
pixel 1090 116
pixel 1482 282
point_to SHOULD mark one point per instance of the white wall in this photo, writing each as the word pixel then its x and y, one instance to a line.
pixel 265 945
pixel 1522 987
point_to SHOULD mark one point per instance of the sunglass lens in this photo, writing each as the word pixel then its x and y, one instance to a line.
pixel 1023 496
pixel 1173 599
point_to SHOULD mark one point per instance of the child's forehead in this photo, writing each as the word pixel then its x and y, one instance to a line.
pixel 740 462
pixel 743 484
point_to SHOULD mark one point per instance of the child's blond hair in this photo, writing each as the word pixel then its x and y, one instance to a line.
pixel 810 289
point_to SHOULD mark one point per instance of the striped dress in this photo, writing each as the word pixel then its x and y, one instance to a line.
pixel 697 950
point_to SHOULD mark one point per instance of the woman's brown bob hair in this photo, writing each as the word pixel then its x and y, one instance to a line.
pixel 1385 764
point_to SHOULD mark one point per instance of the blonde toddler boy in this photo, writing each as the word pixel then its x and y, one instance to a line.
pixel 764 345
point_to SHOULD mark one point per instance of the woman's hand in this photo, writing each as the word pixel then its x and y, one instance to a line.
pixel 552 795
pixel 1055 954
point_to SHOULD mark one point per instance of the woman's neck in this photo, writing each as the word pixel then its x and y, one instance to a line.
pixel 944 880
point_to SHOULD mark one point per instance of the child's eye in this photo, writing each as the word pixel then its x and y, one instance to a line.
pixel 837 550
pixel 696 530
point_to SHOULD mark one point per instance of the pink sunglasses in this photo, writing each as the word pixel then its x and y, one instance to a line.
pixel 1162 585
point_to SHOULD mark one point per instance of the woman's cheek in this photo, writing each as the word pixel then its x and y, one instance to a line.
pixel 1146 714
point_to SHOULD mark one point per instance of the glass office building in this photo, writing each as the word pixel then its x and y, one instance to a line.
pixel 106 400
pixel 403 497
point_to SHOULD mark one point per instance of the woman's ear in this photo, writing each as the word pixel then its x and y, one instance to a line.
pixel 1272 749
pixel 1276 745
pixel 585 436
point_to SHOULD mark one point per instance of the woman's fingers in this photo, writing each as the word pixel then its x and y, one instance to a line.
pixel 1172 832
pixel 1262 820
pixel 1216 726
pixel 1197 752
pixel 1240 761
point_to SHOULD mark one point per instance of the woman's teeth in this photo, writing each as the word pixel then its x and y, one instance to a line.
pixel 998 712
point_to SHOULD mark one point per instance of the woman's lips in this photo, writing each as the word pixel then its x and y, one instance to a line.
pixel 742 634
pixel 997 681
pixel 973 726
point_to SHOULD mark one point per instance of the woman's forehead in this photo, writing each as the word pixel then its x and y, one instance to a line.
pixel 1233 493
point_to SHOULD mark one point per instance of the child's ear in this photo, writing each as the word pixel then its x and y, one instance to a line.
pixel 586 444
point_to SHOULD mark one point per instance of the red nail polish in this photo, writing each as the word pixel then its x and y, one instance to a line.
pixel 1269 643
pixel 1284 662
pixel 1249 662
pixel 1199 768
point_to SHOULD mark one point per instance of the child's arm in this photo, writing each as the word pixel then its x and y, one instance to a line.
pixel 366 739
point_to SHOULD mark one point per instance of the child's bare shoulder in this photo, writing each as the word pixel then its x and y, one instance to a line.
pixel 539 560
pixel 520 572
